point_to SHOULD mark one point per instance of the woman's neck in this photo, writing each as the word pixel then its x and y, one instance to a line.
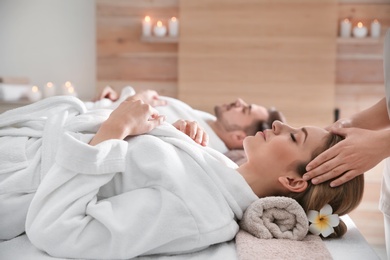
pixel 261 186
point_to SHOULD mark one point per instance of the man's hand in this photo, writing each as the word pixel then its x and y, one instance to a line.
pixel 193 130
pixel 108 93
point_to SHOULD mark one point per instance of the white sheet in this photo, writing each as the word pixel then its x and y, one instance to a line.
pixel 352 246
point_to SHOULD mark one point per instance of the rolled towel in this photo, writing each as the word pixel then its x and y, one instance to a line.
pixel 275 217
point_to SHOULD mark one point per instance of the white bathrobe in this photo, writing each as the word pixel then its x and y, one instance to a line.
pixel 174 110
pixel 155 193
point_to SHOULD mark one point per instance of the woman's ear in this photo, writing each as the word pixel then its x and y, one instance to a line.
pixel 293 184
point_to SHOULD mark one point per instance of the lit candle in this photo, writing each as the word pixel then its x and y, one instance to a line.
pixel 147 26
pixel 49 90
pixel 375 29
pixel 68 89
pixel 345 28
pixel 159 30
pixel 34 94
pixel 173 25
pixel 360 31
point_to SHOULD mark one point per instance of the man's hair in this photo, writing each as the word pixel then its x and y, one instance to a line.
pixel 261 125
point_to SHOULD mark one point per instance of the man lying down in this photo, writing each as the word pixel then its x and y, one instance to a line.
pixel 226 128
pixel 118 184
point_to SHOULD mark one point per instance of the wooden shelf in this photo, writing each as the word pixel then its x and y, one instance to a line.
pixel 366 40
pixel 359 56
pixel 156 39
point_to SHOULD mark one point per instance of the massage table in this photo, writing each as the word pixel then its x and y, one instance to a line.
pixel 352 246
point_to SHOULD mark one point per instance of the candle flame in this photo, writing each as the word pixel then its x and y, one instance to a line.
pixel 68 84
pixel 173 19
pixel 49 84
pixel 360 24
pixel 159 23
pixel 147 18
pixel 346 20
pixel 34 89
pixel 70 89
pixel 376 21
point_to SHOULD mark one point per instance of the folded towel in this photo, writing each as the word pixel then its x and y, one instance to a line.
pixel 275 217
pixel 250 247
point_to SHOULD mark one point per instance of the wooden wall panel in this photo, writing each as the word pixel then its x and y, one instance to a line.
pixel 122 58
pixel 359 63
pixel 275 53
pixel 359 71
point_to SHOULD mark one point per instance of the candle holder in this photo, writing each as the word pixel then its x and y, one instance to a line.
pixel 34 94
pixel 360 31
pixel 68 89
pixel 160 30
pixel 49 90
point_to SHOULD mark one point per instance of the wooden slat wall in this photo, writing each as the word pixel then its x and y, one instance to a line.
pixel 275 53
pixel 122 59
pixel 359 63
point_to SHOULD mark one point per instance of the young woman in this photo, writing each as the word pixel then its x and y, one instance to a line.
pixel 136 189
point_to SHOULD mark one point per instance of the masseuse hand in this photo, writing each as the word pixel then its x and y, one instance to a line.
pixel 131 117
pixel 193 130
pixel 358 152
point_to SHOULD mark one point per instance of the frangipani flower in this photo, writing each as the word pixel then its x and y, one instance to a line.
pixel 323 221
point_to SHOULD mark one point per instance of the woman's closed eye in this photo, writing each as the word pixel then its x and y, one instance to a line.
pixel 293 138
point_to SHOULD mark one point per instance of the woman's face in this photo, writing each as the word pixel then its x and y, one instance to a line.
pixel 283 147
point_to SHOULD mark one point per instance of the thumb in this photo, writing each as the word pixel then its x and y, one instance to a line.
pixel 156 120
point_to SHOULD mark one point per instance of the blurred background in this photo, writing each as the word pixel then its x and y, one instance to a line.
pixel 294 55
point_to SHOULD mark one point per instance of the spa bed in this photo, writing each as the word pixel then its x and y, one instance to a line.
pixel 352 246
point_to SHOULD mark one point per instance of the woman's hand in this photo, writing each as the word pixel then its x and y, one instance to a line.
pixel 358 152
pixel 150 97
pixel 131 117
pixel 193 130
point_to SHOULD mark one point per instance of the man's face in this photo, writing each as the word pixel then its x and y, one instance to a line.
pixel 238 115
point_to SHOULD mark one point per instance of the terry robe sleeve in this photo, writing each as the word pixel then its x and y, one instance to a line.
pixel 160 195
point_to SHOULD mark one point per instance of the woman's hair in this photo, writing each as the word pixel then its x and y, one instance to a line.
pixel 343 199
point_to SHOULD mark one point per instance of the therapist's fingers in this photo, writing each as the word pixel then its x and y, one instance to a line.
pixel 321 163
pixel 345 178
pixel 332 173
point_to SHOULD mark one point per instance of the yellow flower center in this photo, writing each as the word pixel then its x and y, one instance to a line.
pixel 322 221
